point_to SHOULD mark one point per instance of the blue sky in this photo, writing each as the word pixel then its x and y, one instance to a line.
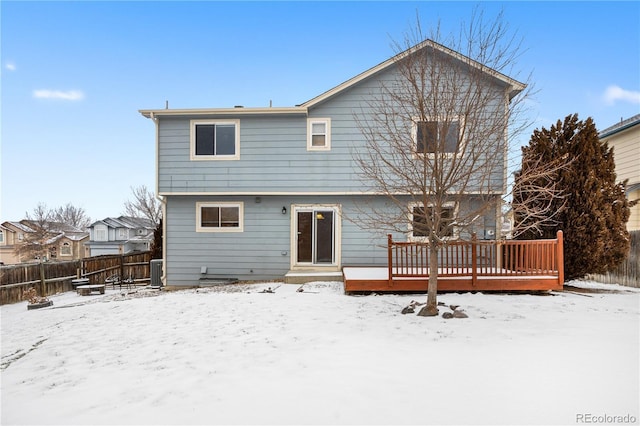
pixel 75 74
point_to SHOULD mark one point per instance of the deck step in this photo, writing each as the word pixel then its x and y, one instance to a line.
pixel 302 277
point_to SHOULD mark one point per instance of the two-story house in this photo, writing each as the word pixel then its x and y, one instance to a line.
pixel 273 192
pixel 624 138
pixel 120 235
pixel 61 241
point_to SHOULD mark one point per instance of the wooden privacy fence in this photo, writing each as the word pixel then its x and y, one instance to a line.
pixel 134 266
pixel 508 259
pixel 46 278
pixel 628 272
pixel 55 277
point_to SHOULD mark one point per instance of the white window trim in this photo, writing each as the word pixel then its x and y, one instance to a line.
pixel 448 204
pixel 327 123
pixel 201 204
pixel 98 230
pixel 414 138
pixel 336 265
pixel 192 141
pixel 66 244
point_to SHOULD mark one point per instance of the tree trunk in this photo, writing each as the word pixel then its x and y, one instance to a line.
pixel 431 308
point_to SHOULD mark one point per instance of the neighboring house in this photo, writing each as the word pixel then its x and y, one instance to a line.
pixel 63 243
pixel 624 137
pixel 262 193
pixel 120 235
pixel 8 238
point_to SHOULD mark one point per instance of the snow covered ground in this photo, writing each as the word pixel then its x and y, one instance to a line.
pixel 234 355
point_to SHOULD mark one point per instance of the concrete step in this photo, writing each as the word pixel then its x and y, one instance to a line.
pixel 302 277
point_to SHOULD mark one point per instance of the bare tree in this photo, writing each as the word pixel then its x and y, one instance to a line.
pixel 144 205
pixel 38 235
pixel 437 136
pixel 72 216
pixel 537 197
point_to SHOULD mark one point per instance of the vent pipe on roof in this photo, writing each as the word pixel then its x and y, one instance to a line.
pixel 166 104
pixel 270 103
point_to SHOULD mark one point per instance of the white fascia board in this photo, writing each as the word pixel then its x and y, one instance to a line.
pixel 211 112
pixel 302 193
pixel 515 86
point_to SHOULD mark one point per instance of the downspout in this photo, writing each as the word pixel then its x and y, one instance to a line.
pixel 160 198
pixel 505 173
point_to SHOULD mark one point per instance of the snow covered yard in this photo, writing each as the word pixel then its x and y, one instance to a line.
pixel 234 355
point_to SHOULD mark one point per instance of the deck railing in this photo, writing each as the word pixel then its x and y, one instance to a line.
pixel 479 258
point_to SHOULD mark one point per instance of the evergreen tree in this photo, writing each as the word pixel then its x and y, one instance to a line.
pixel 156 246
pixel 593 209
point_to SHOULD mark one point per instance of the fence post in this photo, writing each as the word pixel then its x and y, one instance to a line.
pixel 43 281
pixel 390 258
pixel 560 258
pixel 121 268
pixel 474 259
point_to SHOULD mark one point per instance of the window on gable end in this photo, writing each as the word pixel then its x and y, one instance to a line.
pixel 65 249
pixel 100 233
pixel 431 137
pixel 318 134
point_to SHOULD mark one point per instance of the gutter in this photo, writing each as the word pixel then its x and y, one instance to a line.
pixel 617 128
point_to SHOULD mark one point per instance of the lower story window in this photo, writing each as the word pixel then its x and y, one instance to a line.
pixel 219 217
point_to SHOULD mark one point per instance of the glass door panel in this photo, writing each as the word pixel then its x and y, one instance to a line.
pixel 305 237
pixel 324 236
pixel 315 236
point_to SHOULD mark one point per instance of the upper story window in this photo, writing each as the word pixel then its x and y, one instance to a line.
pixel 100 233
pixel 318 134
pixel 1 237
pixel 65 249
pixel 219 217
pixel 420 220
pixel 431 137
pixel 123 234
pixel 215 139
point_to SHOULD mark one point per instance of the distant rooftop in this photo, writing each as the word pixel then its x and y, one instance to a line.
pixel 622 125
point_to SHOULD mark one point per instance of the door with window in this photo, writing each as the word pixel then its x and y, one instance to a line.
pixel 315 235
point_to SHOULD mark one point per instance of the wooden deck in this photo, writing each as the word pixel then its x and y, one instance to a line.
pixel 476 265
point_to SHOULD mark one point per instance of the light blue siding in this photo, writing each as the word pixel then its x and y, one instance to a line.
pixel 274 161
pixel 273 152
pixel 268 159
pixel 262 251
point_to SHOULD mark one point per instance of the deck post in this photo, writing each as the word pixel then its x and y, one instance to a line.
pixel 390 258
pixel 560 258
pixel 474 259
